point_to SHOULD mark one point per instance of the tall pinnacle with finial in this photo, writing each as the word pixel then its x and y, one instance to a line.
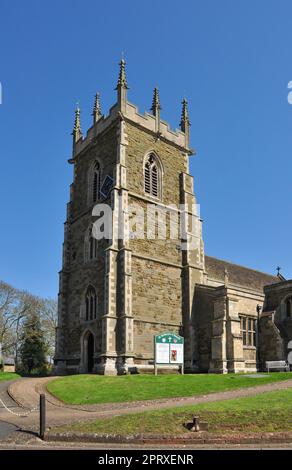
pixel 77 132
pixel 122 87
pixel 155 108
pixel 96 113
pixel 185 121
pixel 122 81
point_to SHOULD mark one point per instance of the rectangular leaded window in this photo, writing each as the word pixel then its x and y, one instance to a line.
pixel 248 330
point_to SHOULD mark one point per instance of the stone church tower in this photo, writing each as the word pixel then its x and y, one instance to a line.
pixel 118 291
pixel 116 294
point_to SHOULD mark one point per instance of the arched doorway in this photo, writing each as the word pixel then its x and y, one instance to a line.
pixel 90 353
pixel 87 352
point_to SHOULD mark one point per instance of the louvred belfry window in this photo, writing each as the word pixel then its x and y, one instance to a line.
pixel 152 177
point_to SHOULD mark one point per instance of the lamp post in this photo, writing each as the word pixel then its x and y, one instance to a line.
pixel 259 309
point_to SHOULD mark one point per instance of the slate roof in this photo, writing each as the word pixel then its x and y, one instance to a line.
pixel 237 274
pixel 8 361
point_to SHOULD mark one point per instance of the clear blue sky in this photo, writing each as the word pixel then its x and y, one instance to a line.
pixel 233 61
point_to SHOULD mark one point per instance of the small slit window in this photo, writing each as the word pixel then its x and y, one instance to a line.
pixel 90 246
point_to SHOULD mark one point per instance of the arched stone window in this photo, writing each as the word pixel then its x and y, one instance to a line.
pixel 289 307
pixel 90 304
pixel 152 176
pixel 94 182
pixel 90 246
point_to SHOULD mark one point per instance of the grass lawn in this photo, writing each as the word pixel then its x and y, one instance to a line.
pixel 85 389
pixel 8 376
pixel 267 412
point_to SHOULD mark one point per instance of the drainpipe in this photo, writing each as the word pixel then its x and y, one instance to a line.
pixel 258 360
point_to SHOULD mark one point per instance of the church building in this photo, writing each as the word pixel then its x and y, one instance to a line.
pixel 116 293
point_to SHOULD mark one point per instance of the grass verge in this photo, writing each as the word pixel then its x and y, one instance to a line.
pixel 90 389
pixel 267 412
pixel 8 376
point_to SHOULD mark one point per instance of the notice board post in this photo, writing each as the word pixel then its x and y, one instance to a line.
pixel 168 350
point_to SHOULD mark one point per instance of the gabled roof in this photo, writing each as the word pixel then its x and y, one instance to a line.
pixel 8 361
pixel 237 274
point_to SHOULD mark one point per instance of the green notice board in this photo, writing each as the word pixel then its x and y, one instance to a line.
pixel 169 349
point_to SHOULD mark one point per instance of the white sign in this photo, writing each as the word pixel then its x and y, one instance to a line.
pixel 162 353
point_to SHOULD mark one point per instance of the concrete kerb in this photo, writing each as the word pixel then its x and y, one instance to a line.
pixel 12 396
pixel 200 438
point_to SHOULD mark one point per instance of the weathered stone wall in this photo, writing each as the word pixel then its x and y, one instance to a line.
pixel 271 342
pixel 275 297
pixel 203 316
pixel 167 249
pixel 8 368
pixel 78 272
pixel 104 150
pixel 276 325
pixel 156 263
pixel 157 303
pixel 228 354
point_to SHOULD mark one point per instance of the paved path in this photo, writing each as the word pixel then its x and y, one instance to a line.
pixel 5 397
pixel 26 393
pixel 6 429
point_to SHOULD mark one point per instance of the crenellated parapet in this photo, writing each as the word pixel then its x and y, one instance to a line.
pixel 125 110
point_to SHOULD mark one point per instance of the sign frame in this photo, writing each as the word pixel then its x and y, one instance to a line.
pixel 168 350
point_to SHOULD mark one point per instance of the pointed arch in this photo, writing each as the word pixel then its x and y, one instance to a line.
pixel 152 169
pixel 94 181
pixel 90 310
pixel 88 346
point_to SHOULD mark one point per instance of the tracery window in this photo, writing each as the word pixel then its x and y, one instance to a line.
pixel 90 304
pixel 152 176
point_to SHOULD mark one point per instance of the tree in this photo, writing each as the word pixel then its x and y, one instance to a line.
pixel 33 349
pixel 14 305
pixel 7 308
pixel 49 319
